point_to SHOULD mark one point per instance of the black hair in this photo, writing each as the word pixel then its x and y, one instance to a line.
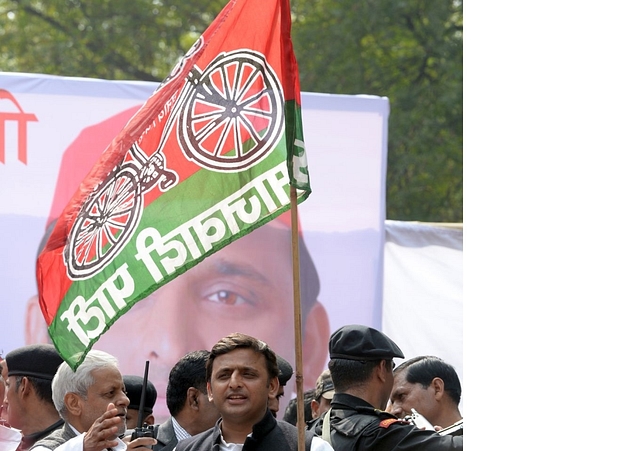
pixel 350 373
pixel 190 371
pixel 423 369
pixel 42 387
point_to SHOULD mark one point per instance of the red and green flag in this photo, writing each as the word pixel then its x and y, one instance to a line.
pixel 208 158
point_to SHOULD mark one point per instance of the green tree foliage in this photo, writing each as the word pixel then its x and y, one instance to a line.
pixel 407 50
pixel 112 39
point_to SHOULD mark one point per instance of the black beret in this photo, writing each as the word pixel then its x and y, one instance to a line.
pixel 356 342
pixel 40 361
pixel 285 371
pixel 133 385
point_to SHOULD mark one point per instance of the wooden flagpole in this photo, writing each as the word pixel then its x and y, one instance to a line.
pixel 297 316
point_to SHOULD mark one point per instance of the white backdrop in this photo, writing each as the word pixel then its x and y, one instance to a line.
pixel 422 298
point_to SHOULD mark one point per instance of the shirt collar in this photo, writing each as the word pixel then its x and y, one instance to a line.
pixel 180 432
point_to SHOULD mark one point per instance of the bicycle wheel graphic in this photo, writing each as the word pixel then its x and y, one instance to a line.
pixel 104 225
pixel 234 116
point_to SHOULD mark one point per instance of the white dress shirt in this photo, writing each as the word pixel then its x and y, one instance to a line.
pixel 77 444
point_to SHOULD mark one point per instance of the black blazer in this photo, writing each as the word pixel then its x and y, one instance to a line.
pixel 166 437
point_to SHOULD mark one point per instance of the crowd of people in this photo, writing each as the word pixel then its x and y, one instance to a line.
pixel 229 398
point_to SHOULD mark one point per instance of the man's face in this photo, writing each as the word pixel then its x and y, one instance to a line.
pixel 240 386
pixel 245 287
pixel 14 411
pixel 406 396
pixel 108 387
pixel 132 418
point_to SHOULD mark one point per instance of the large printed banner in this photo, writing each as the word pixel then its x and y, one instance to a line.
pixel 52 131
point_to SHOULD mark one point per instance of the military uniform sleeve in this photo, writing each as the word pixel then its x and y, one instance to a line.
pixel 398 436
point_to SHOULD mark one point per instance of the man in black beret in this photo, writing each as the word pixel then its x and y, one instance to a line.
pixel 133 385
pixel 361 368
pixel 30 370
pixel 285 371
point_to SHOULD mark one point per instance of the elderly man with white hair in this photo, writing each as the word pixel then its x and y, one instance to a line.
pixel 93 403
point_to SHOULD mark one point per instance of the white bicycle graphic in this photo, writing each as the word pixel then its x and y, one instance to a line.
pixel 227 118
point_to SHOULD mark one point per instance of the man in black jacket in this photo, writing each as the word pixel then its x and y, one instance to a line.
pixel 361 368
pixel 188 402
pixel 242 374
pixel 30 370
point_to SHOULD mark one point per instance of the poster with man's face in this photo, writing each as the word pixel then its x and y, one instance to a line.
pixel 53 129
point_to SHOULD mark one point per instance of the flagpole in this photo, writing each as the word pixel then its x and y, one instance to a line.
pixel 297 316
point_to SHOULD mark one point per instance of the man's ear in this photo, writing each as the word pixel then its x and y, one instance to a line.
pixel 150 419
pixel 274 385
pixel 73 404
pixel 315 347
pixel 438 388
pixel 275 394
pixel 35 327
pixel 192 397
pixel 314 408
pixel 209 392
pixel 382 372
pixel 25 387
